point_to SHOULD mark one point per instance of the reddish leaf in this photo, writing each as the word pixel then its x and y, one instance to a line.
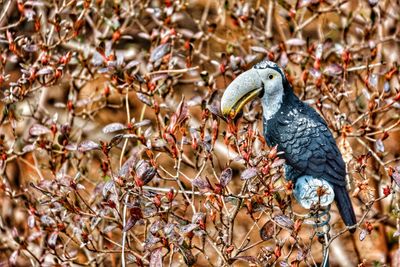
pixel 179 117
pixel 144 171
pixel 135 215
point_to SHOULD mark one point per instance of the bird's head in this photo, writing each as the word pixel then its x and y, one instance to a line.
pixel 265 80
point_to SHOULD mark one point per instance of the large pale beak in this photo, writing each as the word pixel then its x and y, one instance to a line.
pixel 244 88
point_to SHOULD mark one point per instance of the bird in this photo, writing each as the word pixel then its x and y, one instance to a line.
pixel 308 146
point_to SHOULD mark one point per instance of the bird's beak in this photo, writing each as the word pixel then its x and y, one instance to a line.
pixel 244 88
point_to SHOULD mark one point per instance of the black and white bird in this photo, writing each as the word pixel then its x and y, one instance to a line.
pixel 297 129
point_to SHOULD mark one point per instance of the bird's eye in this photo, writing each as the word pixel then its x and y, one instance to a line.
pixel 271 76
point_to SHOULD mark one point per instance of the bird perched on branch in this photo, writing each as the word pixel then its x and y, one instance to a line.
pixel 297 129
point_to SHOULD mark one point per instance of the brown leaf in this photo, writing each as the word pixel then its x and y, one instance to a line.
pixel 267 231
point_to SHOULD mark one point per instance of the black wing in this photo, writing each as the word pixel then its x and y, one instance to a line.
pixel 308 145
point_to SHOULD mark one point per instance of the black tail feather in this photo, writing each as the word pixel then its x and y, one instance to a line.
pixel 344 206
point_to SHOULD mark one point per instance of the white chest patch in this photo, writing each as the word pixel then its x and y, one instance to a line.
pixel 271 105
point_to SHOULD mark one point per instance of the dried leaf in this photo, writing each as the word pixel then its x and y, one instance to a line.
pixel 131 64
pixel 156 258
pixel 113 127
pixel 31 221
pixel 249 173
pixel 259 49
pixel 284 221
pixel 188 228
pixel 116 140
pixel 346 150
pixel 160 51
pixel 226 177
pixel 144 99
pixel 142 123
pixel 13 258
pixel 188 256
pixel 135 215
pixel 333 70
pixel 144 171
pixel 179 117
pixel 267 231
pixel 45 71
pixel 396 176
pixel 363 234
pixel 127 166
pixel 28 148
pixel 296 42
pixel 379 146
pixel 277 163
pixel 52 240
pixel 200 183
pixel 47 220
pixel 88 145
pixel 38 129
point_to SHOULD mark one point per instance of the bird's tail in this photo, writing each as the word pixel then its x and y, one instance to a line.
pixel 344 206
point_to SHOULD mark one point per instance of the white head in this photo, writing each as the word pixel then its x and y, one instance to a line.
pixel 265 80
